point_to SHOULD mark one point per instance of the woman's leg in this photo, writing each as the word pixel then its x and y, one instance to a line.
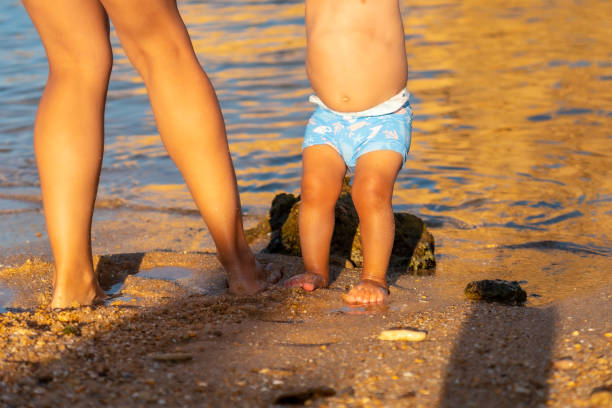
pixel 191 125
pixel 68 136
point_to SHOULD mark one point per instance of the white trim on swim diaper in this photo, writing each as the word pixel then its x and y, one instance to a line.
pixel 389 106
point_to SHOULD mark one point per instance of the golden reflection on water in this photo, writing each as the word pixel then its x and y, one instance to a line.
pixel 514 137
pixel 480 71
pixel 252 38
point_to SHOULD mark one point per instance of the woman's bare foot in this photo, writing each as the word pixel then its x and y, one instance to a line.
pixel 252 279
pixel 83 290
pixel 367 292
pixel 308 281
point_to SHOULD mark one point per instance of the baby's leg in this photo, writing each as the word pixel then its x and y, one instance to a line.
pixel 375 175
pixel 191 126
pixel 322 173
pixel 68 137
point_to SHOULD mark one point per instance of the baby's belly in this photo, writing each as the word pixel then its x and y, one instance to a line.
pixel 354 77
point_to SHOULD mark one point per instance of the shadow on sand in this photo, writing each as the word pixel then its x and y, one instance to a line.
pixel 501 358
pixel 112 270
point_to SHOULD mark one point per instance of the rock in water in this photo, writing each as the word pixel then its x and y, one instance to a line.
pixel 413 248
pixel 496 290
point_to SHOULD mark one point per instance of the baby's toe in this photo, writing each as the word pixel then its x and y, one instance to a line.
pixel 293 282
pixel 366 294
pixel 307 281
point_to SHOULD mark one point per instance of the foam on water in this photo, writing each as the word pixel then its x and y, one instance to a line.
pixel 203 281
pixel 170 273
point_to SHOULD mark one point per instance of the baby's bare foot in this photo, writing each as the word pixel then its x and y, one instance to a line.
pixel 254 279
pixel 308 281
pixel 367 292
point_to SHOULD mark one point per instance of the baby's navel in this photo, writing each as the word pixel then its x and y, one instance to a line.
pixel 345 99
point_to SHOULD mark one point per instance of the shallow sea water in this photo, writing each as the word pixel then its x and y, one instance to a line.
pixel 209 282
pixel 7 296
pixel 511 157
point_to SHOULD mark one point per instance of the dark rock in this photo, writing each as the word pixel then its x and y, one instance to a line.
pixel 279 211
pixel 258 231
pixel 71 330
pixel 302 397
pixel 345 230
pixel 44 379
pixel 413 248
pixel 496 290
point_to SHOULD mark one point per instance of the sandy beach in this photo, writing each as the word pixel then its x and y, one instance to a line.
pixel 171 336
pixel 510 168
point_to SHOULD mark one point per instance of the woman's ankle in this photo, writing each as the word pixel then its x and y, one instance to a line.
pixel 238 260
pixel 76 290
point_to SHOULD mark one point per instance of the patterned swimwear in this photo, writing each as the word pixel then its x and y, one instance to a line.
pixel 355 134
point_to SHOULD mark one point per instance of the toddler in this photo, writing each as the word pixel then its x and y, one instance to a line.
pixel 356 63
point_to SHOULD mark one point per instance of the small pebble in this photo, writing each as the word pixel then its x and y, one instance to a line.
pixel 171 357
pixel 521 389
pixel 564 364
pixel 402 335
pixel 575 333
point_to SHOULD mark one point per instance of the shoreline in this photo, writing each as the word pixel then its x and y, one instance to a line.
pixel 24 234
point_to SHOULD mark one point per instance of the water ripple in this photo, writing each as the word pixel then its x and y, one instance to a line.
pixel 562 246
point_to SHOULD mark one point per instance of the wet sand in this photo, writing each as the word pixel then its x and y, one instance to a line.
pixel 170 335
pixel 510 168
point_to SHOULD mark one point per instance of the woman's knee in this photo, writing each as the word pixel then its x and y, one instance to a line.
pixel 86 66
pixel 152 53
pixel 76 38
pixel 152 33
